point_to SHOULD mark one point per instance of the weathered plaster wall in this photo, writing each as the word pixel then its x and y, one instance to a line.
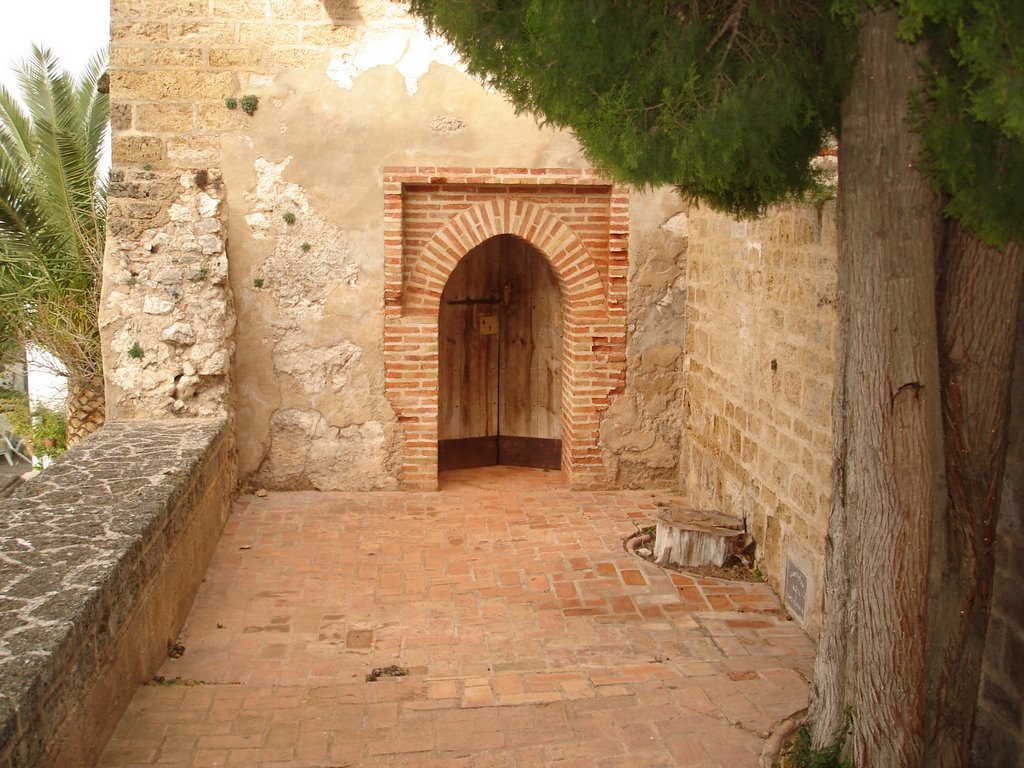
pixel 345 89
pixel 312 408
pixel 757 438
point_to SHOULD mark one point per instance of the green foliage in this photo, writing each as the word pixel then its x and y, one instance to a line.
pixel 44 429
pixel 49 433
pixel 306 247
pixel 231 102
pixel 289 218
pixel 971 115
pixel 257 282
pixel 14 408
pixel 731 100
pixel 249 103
pixel 803 754
pixel 728 101
pixel 53 210
pixel 135 351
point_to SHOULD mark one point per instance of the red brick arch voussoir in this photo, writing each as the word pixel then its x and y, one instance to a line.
pixel 582 287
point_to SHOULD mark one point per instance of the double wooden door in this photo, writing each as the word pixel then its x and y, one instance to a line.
pixel 500 359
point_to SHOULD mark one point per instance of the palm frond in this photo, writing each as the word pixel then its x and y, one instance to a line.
pixel 53 209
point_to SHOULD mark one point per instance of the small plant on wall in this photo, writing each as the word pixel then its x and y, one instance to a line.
pixel 257 282
pixel 249 103
pixel 135 351
pixel 289 218
pixel 231 102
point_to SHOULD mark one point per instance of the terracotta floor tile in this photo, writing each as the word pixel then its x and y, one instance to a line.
pixel 519 630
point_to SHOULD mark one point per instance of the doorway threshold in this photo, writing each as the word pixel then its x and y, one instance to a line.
pixel 500 477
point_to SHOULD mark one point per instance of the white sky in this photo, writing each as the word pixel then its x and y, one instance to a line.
pixel 73 29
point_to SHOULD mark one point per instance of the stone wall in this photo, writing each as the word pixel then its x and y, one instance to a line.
pixel 999 736
pixel 641 431
pixel 757 439
pixel 100 559
pixel 345 90
pixel 166 313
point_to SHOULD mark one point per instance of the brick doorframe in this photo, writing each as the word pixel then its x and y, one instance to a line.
pixel 434 216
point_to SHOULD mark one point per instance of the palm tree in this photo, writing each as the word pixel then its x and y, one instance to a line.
pixel 53 221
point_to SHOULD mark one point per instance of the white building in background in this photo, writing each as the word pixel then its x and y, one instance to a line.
pixel 47 381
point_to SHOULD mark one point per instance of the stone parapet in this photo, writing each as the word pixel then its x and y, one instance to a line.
pixel 100 558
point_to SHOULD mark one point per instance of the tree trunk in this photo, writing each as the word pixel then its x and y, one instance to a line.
pixel 888 485
pixel 979 299
pixel 86 408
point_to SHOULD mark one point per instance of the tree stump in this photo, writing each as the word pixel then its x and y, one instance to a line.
pixel 694 537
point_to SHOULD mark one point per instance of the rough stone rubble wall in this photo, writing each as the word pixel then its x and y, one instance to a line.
pixel 166 314
pixel 345 90
pixel 757 439
pixel 641 430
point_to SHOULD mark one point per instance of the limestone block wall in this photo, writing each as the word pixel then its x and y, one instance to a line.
pixel 345 90
pixel 757 438
pixel 101 557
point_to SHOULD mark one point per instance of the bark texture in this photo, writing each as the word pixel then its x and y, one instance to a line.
pixel 980 294
pixel 888 486
pixel 999 721
pixel 86 408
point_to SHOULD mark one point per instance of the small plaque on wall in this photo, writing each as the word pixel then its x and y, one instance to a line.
pixel 796 589
pixel 488 325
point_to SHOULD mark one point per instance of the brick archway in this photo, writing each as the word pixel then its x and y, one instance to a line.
pixel 432 222
pixel 577 273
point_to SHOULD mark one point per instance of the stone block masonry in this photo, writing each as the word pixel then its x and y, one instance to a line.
pixel 100 559
pixel 757 439
pixel 173 62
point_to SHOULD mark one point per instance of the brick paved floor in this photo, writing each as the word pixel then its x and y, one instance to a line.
pixel 530 636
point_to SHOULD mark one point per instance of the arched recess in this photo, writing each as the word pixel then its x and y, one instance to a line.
pixel 593 356
pixel 500 359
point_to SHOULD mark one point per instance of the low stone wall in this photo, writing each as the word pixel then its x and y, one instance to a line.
pixel 100 559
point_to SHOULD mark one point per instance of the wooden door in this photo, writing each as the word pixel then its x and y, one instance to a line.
pixel 468 325
pixel 500 350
